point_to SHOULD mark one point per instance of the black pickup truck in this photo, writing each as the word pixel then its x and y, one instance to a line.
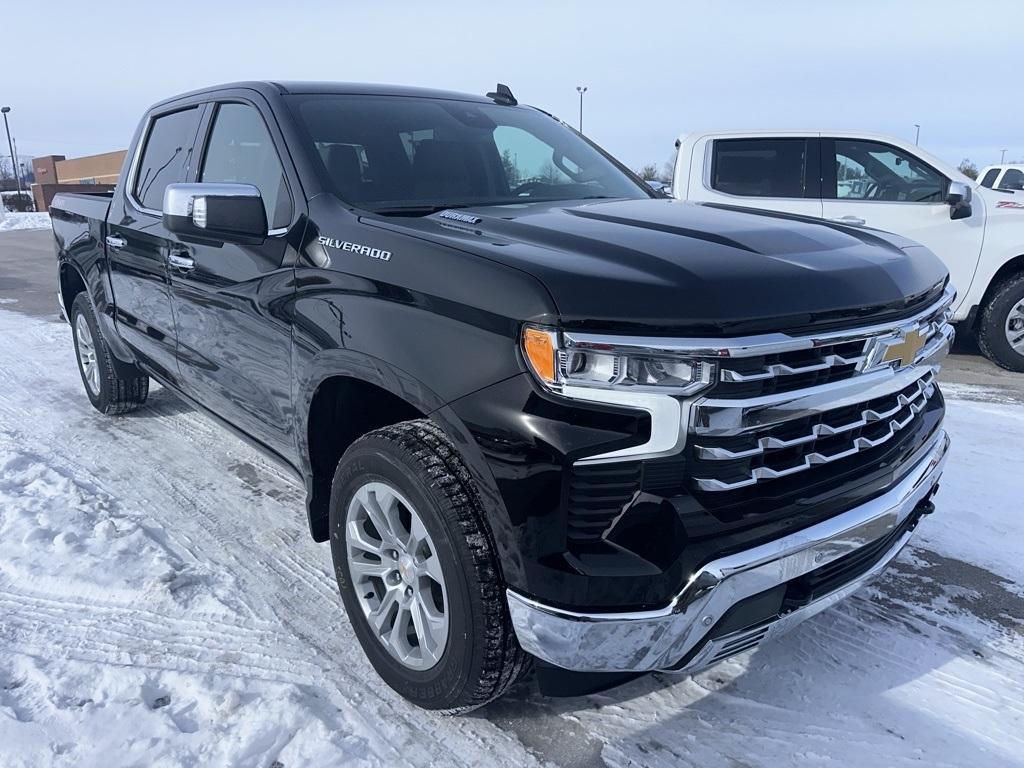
pixel 543 415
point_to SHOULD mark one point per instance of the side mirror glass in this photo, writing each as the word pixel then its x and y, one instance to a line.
pixel 959 199
pixel 230 213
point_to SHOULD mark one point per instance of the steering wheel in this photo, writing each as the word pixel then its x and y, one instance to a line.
pixel 528 187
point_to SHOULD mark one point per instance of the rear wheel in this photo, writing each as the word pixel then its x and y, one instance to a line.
pixel 1001 325
pixel 108 391
pixel 418 572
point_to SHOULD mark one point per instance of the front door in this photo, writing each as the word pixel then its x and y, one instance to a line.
pixel 138 244
pixel 231 301
pixel 873 184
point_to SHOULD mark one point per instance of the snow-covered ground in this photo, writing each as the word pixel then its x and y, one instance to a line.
pixel 30 220
pixel 162 604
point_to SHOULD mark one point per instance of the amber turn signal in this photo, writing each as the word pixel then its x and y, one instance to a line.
pixel 539 350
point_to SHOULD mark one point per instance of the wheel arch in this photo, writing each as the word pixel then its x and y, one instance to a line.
pixel 1009 270
pixel 70 283
pixel 345 394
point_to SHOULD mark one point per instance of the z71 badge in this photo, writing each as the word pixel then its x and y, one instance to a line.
pixel 364 250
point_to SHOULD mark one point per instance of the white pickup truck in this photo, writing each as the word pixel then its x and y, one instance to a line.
pixel 868 180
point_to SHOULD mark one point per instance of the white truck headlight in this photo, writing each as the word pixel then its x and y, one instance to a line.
pixel 557 365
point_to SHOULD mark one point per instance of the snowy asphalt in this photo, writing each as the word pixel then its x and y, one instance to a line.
pixel 160 603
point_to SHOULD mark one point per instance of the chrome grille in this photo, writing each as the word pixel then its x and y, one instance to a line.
pixel 773 446
pixel 825 360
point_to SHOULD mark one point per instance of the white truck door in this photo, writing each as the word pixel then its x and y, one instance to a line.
pixel 779 172
pixel 874 184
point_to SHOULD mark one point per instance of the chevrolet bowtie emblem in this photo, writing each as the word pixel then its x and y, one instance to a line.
pixel 905 351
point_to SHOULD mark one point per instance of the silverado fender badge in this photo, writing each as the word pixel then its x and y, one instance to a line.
pixel 465 218
pixel 344 245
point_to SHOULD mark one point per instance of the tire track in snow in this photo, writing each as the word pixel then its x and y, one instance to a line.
pixel 162 466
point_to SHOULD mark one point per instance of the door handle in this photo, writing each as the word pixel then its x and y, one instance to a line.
pixel 181 261
pixel 852 221
pixel 115 242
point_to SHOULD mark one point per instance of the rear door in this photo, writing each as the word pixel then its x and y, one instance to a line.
pixel 874 184
pixel 137 243
pixel 777 172
pixel 232 301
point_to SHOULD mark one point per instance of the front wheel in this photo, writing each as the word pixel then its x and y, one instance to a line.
pixel 1001 325
pixel 418 572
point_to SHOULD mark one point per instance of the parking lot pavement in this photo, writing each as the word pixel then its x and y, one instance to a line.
pixel 28 272
pixel 28 285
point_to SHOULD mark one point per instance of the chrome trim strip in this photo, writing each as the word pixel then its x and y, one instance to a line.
pixel 727 417
pixel 657 639
pixel 729 645
pixel 669 422
pixel 868 415
pixel 816 458
pixel 780 369
pixel 748 346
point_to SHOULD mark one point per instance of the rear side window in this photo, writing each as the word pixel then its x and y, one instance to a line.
pixel 763 168
pixel 989 178
pixel 165 156
pixel 240 150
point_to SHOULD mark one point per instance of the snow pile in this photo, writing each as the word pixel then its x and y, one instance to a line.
pixel 28 220
pixel 161 603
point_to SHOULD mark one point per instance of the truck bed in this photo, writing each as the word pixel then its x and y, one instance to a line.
pixel 82 205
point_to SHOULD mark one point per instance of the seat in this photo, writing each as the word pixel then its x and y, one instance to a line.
pixel 345 171
pixel 447 170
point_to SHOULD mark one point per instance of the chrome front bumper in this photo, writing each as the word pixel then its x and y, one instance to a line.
pixel 661 639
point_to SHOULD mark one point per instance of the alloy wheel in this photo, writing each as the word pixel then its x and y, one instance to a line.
pixel 1015 327
pixel 87 355
pixel 396 575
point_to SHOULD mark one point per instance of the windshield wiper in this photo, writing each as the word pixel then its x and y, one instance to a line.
pixel 416 210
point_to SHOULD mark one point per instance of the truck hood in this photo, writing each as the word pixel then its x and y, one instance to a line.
pixel 667 266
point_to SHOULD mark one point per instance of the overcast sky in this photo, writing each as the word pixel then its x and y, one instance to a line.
pixel 653 69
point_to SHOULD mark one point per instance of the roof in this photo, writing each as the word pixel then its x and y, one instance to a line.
pixel 368 89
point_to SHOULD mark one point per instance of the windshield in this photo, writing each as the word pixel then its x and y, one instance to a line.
pixel 400 154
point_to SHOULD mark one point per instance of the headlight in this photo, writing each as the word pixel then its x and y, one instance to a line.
pixel 606 366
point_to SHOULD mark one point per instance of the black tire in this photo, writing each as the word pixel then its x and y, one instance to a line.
pixel 482 658
pixel 110 393
pixel 992 325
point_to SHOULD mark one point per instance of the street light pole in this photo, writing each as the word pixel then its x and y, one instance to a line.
pixel 581 89
pixel 1002 157
pixel 10 146
pixel 917 133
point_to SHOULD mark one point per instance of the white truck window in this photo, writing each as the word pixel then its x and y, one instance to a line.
pixel 989 178
pixel 760 167
pixel 1012 179
pixel 868 170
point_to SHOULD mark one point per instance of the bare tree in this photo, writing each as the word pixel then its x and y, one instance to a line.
pixel 648 172
pixel 968 169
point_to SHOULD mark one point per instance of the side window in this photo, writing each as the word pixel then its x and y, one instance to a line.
pixel 1012 179
pixel 762 167
pixel 868 170
pixel 240 150
pixel 165 156
pixel 989 178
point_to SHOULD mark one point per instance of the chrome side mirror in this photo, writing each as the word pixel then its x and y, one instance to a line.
pixel 959 199
pixel 230 213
